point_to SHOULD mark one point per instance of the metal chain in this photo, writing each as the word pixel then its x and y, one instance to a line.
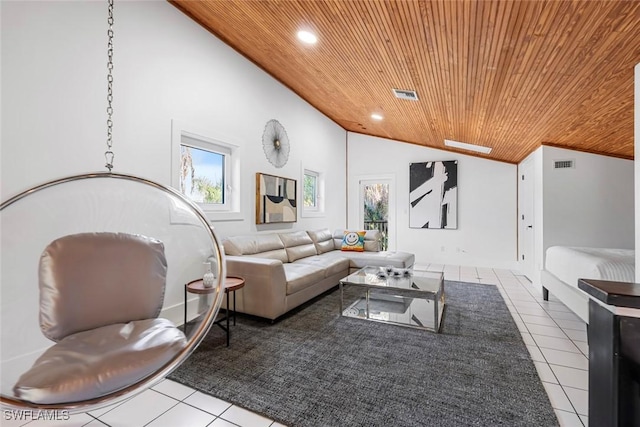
pixel 108 155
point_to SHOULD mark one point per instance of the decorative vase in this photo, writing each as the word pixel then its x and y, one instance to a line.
pixel 208 279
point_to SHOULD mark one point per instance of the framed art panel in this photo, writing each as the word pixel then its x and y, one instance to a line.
pixel 275 199
pixel 433 195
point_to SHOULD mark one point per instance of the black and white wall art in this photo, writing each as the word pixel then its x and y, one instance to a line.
pixel 433 195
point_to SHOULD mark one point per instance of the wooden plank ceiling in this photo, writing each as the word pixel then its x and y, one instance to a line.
pixel 510 75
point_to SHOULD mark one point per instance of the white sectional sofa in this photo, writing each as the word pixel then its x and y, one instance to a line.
pixel 284 270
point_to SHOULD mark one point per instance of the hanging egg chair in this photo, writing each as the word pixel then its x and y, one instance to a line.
pixel 93 272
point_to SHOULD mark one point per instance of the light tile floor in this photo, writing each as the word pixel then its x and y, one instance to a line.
pixel 555 337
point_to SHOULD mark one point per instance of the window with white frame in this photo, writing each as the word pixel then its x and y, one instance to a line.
pixel 312 193
pixel 203 173
pixel 205 170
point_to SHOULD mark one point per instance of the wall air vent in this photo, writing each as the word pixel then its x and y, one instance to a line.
pixel 411 95
pixel 563 164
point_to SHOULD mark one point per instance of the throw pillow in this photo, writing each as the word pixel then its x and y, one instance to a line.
pixel 353 241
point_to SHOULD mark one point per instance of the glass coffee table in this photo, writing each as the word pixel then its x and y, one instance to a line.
pixel 402 297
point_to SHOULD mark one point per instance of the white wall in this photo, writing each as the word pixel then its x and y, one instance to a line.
pixel 637 172
pixel 486 234
pixel 590 205
pixel 166 67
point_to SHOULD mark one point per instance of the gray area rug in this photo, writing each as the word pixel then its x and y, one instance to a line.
pixel 315 368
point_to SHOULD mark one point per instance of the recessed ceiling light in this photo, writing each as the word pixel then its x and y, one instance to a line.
pixel 376 116
pixel 307 37
pixel 465 146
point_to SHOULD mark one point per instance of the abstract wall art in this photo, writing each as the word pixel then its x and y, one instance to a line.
pixel 275 199
pixel 433 195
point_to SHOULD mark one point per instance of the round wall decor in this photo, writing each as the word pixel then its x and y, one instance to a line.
pixel 275 143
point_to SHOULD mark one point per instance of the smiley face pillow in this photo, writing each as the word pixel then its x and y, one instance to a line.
pixel 353 241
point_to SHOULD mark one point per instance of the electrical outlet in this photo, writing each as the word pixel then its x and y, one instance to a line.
pixel 441 248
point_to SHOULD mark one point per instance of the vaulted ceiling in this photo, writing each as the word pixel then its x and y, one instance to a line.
pixel 510 75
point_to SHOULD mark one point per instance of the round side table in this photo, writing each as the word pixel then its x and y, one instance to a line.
pixel 231 285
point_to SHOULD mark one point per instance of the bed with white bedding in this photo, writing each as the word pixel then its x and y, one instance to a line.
pixel 565 265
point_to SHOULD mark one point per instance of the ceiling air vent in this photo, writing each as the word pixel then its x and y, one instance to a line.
pixel 563 164
pixel 411 95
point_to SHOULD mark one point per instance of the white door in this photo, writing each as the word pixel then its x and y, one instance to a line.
pixel 525 218
pixel 377 209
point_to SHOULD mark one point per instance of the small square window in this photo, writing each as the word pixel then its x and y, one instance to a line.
pixel 202 175
pixel 203 172
pixel 206 170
